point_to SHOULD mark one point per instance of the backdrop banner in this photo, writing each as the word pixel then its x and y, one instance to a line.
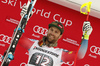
pixel 45 12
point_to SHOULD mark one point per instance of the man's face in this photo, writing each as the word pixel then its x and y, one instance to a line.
pixel 53 35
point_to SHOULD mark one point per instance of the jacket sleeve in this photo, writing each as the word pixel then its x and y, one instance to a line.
pixel 25 42
pixel 70 55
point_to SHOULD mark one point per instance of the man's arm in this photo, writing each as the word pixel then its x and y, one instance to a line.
pixel 70 55
pixel 25 42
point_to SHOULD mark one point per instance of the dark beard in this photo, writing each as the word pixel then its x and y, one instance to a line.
pixel 52 41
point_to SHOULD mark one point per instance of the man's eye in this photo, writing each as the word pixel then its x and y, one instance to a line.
pixel 51 29
pixel 56 32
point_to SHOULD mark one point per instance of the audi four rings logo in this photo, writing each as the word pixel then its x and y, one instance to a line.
pixel 40 30
pixel 95 50
pixel 5 38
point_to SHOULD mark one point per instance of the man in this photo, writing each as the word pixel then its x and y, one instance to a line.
pixel 43 52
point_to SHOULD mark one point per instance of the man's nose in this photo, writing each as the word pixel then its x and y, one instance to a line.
pixel 52 32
